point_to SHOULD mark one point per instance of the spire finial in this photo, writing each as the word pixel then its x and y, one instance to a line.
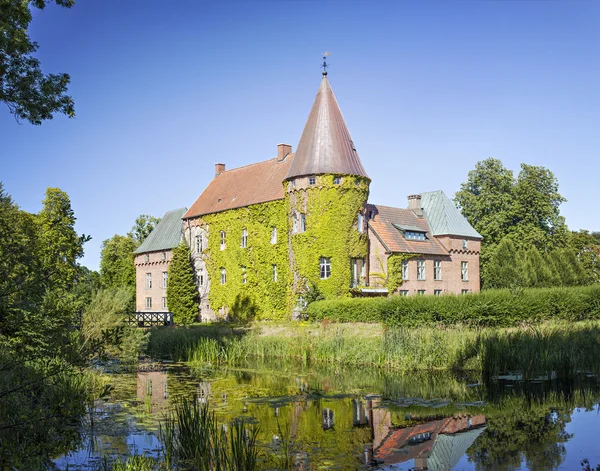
pixel 325 56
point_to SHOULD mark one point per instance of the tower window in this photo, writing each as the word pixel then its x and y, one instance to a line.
pixel 437 270
pixel 147 258
pixel 244 238
pixel 148 303
pixel 302 222
pixel 420 269
pixel 404 270
pixel 223 276
pixel 244 276
pixel 465 244
pixel 312 181
pixel 274 235
pixel 361 223
pixel 164 256
pixel 223 240
pixel 275 277
pixel 337 180
pixel 148 280
pixel 165 279
pixel 324 268
pixel 199 243
pixel 294 223
pixel 464 271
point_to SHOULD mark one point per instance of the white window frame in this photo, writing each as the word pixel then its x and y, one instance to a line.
pixel 148 280
pixel 421 270
pixel 437 292
pixel 421 292
pixel 244 276
pixel 312 181
pixel 244 243
pixel 275 275
pixel 302 222
pixel 437 270
pixel 223 240
pixel 324 268
pixel 465 244
pixel 361 222
pixel 403 292
pixel 464 271
pixel 200 277
pixel 163 256
pixel 405 270
pixel 223 276
pixel 165 279
pixel 274 235
pixel 199 243
pixel 464 291
pixel 294 223
pixel 148 302
pixel 147 258
pixel 337 180
pixel 164 302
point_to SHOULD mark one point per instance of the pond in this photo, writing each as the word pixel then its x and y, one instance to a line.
pixel 345 419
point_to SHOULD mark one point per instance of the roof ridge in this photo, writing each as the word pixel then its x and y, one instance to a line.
pixel 250 165
pixel 390 207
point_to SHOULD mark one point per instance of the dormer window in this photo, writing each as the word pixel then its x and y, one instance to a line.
pixel 312 181
pixel 413 235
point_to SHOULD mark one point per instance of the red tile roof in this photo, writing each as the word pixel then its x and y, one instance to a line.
pixel 392 238
pixel 243 186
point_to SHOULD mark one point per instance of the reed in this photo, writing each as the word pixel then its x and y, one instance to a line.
pixel 557 349
pixel 195 441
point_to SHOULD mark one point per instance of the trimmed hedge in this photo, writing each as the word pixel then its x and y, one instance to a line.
pixel 493 308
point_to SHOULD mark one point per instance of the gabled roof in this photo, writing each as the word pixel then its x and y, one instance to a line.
pixel 326 145
pixel 167 233
pixel 243 186
pixel 444 218
pixel 382 224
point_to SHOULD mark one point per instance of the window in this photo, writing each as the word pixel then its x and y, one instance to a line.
pixel 302 222
pixel 358 268
pixel 148 280
pixel 465 244
pixel 223 276
pixel 294 223
pixel 223 240
pixel 357 181
pixel 361 223
pixel 244 238
pixel 404 269
pixel 465 291
pixel 147 258
pixel 324 268
pixel 312 181
pixel 274 235
pixel 244 276
pixel 420 269
pixel 337 180
pixel 275 273
pixel 201 277
pixel 412 235
pixel 199 243
pixel 403 292
pixel 437 292
pixel 371 215
pixel 148 303
pixel 421 292
pixel 464 271
pixel 293 182
pixel 165 279
pixel 164 302
pixel 437 270
pixel 164 256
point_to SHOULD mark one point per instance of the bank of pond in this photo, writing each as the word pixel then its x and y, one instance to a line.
pixel 308 396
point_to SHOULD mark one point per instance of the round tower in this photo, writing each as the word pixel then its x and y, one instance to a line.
pixel 326 192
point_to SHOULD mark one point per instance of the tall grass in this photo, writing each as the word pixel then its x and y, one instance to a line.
pixel 557 349
pixel 194 440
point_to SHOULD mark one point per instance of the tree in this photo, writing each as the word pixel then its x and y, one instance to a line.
pixel 182 294
pixel 526 210
pixel 116 262
pixel 28 93
pixel 144 225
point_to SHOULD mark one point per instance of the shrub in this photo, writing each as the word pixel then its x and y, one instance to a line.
pixel 494 308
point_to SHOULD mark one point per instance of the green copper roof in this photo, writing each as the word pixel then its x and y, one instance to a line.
pixel 167 233
pixel 443 217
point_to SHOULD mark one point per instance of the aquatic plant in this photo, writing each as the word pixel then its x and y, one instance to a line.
pixel 194 440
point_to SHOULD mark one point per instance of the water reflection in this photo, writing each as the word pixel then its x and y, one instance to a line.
pixel 358 419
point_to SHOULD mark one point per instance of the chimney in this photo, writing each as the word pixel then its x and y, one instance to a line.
pixel 219 169
pixel 282 151
pixel 414 203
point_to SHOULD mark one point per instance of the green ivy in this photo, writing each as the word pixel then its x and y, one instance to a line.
pixel 331 212
pixel 259 296
pixel 394 270
pixel 182 294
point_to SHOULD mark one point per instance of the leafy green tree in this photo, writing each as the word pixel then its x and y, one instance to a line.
pixel 29 94
pixel 144 225
pixel 587 247
pixel 182 294
pixel 525 210
pixel 116 262
pixel 503 267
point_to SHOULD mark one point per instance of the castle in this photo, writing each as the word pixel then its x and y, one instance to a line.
pixel 272 233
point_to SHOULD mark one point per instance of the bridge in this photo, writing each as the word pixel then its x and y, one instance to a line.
pixel 147 319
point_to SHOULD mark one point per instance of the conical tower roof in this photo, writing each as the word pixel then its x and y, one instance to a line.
pixel 326 145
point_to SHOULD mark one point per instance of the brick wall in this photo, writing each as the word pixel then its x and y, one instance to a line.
pixel 154 263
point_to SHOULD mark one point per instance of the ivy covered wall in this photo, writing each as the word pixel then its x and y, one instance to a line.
pixel 268 299
pixel 331 212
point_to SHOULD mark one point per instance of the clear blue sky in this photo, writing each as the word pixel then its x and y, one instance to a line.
pixel 163 90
